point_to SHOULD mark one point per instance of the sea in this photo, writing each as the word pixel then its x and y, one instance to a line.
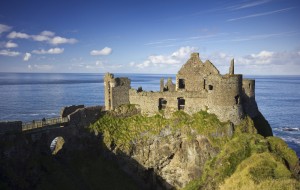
pixel 33 96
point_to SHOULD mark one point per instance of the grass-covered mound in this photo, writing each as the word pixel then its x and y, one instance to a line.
pixel 245 158
pixel 272 161
pixel 122 132
pixel 261 171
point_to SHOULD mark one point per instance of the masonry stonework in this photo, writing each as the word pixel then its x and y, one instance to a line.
pixel 198 86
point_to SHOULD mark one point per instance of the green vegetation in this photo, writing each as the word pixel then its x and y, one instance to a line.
pixel 246 160
pixel 250 160
pixel 261 171
pixel 122 131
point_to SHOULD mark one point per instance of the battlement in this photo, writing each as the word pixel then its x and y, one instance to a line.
pixel 198 86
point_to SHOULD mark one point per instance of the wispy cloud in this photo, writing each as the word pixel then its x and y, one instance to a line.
pixel 104 51
pixel 14 35
pixel 44 36
pixel 4 28
pixel 262 36
pixel 9 53
pixel 260 14
pixel 57 40
pixel 49 51
pixel 10 44
pixel 248 5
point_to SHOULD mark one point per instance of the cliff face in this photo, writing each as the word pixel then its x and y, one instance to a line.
pixel 174 157
pixel 193 152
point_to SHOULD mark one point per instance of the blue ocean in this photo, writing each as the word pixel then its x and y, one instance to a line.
pixel 33 96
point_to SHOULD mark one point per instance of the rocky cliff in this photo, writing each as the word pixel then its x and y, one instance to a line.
pixel 197 152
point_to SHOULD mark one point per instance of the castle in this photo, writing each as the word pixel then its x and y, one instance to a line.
pixel 199 86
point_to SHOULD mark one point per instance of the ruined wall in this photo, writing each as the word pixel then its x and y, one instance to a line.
pixel 115 91
pixel 224 97
pixel 248 97
pixel 194 74
pixel 149 101
pixel 120 92
pixel 65 111
pixel 85 116
pixel 199 86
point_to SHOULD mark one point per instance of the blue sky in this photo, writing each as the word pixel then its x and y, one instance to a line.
pixel 143 36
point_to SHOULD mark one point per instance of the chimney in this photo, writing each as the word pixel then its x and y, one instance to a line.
pixel 231 68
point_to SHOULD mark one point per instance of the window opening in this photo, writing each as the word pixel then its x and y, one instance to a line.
pixel 181 84
pixel 181 103
pixel 162 103
pixel 237 99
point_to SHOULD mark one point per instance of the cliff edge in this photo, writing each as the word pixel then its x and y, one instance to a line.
pixel 197 151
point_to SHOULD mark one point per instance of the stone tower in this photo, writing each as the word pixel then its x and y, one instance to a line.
pixel 116 91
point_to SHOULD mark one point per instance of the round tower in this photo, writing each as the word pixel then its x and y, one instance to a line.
pixel 249 87
pixel 248 98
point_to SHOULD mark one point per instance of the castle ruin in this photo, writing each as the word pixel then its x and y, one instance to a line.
pixel 199 86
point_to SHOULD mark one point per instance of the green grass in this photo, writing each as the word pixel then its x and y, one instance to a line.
pixel 261 171
pixel 249 161
pixel 242 151
pixel 122 131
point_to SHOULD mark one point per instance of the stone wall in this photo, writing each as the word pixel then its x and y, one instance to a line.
pixel 85 116
pixel 149 101
pixel 116 91
pixel 249 103
pixel 199 86
pixel 65 111
pixel 194 74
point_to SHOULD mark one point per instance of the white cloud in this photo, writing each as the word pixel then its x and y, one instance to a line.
pixel 57 40
pixel 27 56
pixel 183 52
pixel 9 53
pixel 47 33
pixel 45 36
pixel 50 51
pixel 40 38
pixel 11 44
pixel 15 34
pixel 263 55
pixel 4 28
pixel 104 51
pixel 173 59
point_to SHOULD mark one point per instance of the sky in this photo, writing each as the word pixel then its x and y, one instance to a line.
pixel 149 36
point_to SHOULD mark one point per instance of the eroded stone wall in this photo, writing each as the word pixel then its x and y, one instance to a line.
pixel 249 103
pixel 65 111
pixel 116 91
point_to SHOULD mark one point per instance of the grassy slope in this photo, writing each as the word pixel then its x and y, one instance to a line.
pixel 235 151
